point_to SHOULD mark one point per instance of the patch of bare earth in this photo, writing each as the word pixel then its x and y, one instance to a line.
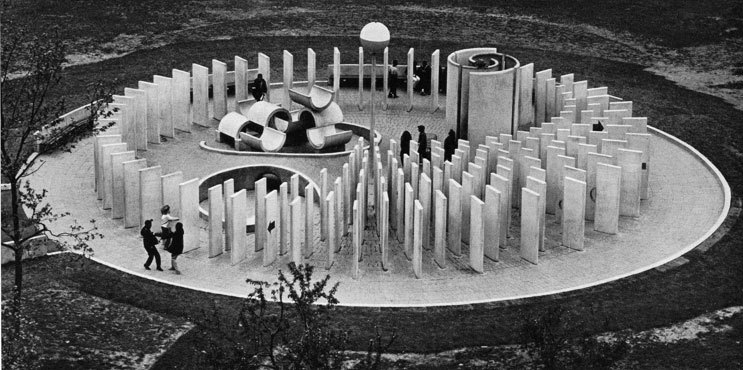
pixel 708 68
pixel 514 356
pixel 85 331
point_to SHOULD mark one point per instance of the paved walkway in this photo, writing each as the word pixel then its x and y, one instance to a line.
pixel 686 201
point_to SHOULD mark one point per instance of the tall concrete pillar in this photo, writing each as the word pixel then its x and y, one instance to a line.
pixel 357 230
pixel 324 189
pixel 454 218
pixel 424 195
pixel 171 196
pixel 309 221
pixel 272 225
pixel 337 74
pixel 540 187
pixel 241 80
pixel 504 178
pixel 200 88
pixel 385 231
pixel 216 211
pixel 132 206
pixel 236 226
pixel 400 205
pixel 418 240
pixel 631 185
pixel 139 105
pixel 284 238
pixel 361 79
pixel 411 68
pixel 107 170
pixel 409 198
pixel 150 194
pixel 592 160
pixel 477 233
pixel 492 222
pixel 296 230
pixel 332 242
pixel 189 213
pixel 219 89
pixel 540 95
pixel 264 68
pixel 117 168
pixel 608 189
pixel 573 223
pixel 288 65
pixel 153 111
pixel 261 236
pixel 181 100
pixel 165 105
pixel 554 167
pixel 529 249
pixel 467 190
pixel 526 95
pixel 641 142
pixel 440 228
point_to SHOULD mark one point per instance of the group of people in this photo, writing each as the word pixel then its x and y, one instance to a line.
pixel 172 240
pixel 450 144
pixel 422 75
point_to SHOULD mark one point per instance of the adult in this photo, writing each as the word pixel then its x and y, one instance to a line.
pixel 405 144
pixel 259 88
pixel 422 143
pixel 393 79
pixel 176 247
pixel 166 225
pixel 150 241
pixel 450 145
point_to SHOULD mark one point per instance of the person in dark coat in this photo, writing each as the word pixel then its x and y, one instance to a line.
pixel 176 247
pixel 450 145
pixel 393 79
pixel 422 143
pixel 150 242
pixel 405 144
pixel 259 88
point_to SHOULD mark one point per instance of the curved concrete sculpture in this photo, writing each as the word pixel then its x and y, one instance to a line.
pixel 264 114
pixel 302 119
pixel 317 98
pixel 232 124
pixel 329 116
pixel 270 140
pixel 484 89
pixel 243 106
pixel 328 137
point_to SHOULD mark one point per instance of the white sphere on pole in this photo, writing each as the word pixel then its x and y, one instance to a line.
pixel 374 37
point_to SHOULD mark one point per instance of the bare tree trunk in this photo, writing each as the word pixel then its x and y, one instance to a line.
pixel 15 214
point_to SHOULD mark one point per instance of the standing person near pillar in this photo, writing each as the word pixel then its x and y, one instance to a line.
pixel 393 79
pixel 422 143
pixel 150 242
pixel 176 247
pixel 166 225
pixel 405 144
pixel 450 145
pixel 259 88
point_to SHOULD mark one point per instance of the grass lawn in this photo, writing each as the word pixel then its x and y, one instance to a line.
pixel 710 281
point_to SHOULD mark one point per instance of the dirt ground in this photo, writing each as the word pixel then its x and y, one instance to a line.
pixel 713 67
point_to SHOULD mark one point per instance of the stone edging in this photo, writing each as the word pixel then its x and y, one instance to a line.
pixel 521 298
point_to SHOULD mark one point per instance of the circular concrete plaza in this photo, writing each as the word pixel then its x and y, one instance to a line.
pixel 688 200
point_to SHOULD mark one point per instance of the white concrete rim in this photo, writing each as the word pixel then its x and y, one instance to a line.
pixel 723 215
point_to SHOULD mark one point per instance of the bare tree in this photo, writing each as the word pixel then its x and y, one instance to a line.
pixel 31 69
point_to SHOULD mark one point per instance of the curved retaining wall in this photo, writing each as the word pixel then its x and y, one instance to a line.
pixel 245 178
